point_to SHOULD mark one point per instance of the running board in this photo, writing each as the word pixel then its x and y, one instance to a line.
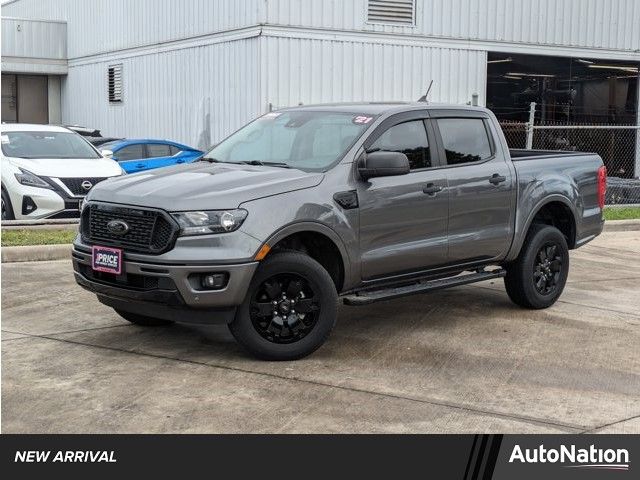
pixel 423 286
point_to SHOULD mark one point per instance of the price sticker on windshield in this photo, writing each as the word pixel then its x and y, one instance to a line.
pixel 272 115
pixel 4 138
pixel 362 120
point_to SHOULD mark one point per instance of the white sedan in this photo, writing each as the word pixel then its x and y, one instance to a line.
pixel 47 171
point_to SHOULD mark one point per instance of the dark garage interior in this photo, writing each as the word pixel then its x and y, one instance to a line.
pixel 572 92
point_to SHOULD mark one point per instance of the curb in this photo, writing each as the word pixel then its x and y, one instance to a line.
pixel 621 225
pixel 36 253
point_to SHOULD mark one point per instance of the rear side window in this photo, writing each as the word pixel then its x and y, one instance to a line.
pixel 174 150
pixel 158 150
pixel 409 138
pixel 465 140
pixel 130 152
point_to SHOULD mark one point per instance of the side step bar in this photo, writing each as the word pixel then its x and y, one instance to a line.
pixel 423 286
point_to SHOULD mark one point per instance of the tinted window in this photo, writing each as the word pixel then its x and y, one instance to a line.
pixel 465 140
pixel 130 152
pixel 158 150
pixel 409 138
pixel 174 150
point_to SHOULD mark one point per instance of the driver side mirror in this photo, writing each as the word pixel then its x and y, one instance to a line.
pixel 106 153
pixel 382 164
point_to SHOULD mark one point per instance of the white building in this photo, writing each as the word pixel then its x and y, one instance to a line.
pixel 195 70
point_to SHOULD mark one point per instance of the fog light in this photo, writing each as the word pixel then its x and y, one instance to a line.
pixel 28 205
pixel 213 281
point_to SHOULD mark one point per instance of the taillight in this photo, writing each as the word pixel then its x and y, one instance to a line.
pixel 602 185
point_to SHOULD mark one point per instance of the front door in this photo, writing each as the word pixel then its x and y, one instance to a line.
pixel 481 188
pixel 403 219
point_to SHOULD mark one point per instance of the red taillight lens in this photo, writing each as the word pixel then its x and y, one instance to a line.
pixel 602 185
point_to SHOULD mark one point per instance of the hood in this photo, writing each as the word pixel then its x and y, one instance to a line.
pixel 202 185
pixel 69 167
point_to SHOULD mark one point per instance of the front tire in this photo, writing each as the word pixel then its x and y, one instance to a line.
pixel 289 310
pixel 143 320
pixel 7 208
pixel 537 277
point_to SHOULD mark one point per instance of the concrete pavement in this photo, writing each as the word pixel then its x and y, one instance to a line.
pixel 460 360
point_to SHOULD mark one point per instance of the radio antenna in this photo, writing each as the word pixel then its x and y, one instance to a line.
pixel 426 95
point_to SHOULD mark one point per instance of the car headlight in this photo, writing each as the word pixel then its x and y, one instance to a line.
pixel 31 180
pixel 209 221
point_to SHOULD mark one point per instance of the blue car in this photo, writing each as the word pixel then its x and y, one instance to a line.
pixel 144 154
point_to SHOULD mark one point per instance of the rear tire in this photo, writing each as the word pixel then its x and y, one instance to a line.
pixel 537 277
pixel 290 308
pixel 143 320
pixel 7 208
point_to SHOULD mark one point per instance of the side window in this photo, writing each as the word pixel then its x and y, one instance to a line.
pixel 130 152
pixel 174 150
pixel 409 138
pixel 158 150
pixel 465 140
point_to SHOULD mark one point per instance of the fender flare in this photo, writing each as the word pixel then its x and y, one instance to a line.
pixel 519 239
pixel 321 228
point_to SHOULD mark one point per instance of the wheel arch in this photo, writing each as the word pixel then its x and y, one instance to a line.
pixel 555 210
pixel 320 242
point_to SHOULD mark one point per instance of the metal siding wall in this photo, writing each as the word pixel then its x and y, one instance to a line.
pixel 611 24
pixel 166 94
pixel 99 26
pixel 321 71
pixel 43 40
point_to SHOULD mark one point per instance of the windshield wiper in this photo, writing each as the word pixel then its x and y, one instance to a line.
pixel 209 159
pixel 268 164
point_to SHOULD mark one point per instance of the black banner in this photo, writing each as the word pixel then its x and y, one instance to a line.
pixel 465 457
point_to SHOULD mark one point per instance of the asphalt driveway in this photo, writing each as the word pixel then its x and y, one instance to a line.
pixel 461 360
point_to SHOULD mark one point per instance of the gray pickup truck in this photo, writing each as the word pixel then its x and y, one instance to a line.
pixel 366 202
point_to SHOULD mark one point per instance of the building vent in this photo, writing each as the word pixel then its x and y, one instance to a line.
pixel 397 12
pixel 114 81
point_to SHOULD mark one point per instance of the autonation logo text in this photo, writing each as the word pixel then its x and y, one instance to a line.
pixel 573 457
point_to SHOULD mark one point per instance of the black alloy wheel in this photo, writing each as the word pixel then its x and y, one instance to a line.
pixel 546 272
pixel 285 308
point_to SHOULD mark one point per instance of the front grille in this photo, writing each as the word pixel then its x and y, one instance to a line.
pixel 150 231
pixel 75 184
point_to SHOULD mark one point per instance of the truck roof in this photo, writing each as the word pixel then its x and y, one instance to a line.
pixel 377 108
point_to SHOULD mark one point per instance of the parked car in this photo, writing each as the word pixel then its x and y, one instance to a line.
pixel 367 201
pixel 92 135
pixel 139 155
pixel 47 171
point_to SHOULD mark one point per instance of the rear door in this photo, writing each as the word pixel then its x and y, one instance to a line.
pixel 159 155
pixel 481 186
pixel 403 219
pixel 132 157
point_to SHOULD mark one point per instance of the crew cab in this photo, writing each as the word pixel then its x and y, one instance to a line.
pixel 363 202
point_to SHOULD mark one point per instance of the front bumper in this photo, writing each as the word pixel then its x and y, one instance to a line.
pixel 165 291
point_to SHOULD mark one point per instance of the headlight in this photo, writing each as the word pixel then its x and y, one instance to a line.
pixel 210 221
pixel 31 180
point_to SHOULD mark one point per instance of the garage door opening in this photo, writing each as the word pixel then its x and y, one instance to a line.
pixel 579 93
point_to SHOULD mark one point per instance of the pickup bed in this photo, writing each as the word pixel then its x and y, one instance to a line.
pixel 365 202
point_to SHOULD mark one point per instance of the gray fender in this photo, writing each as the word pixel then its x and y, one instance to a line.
pixel 319 228
pixel 521 233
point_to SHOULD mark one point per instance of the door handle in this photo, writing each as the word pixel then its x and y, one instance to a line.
pixel 181 160
pixel 496 179
pixel 140 165
pixel 431 189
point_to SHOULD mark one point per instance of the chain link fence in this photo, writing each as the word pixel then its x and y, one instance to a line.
pixel 618 145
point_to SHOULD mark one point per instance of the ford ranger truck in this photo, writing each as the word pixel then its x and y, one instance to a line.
pixel 363 202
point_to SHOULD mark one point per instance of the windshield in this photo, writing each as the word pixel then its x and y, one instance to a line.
pixel 46 145
pixel 307 140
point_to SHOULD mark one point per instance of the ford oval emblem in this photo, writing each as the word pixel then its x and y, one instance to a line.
pixel 118 227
